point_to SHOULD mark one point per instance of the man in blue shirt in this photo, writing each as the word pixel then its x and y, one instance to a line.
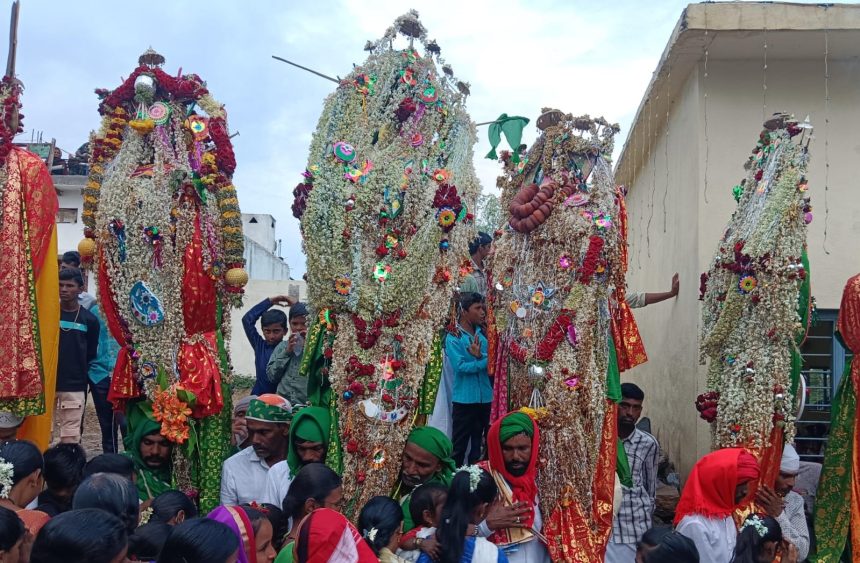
pixel 274 324
pixel 473 393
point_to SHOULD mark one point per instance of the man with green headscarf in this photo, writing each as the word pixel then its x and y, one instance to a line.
pixel 243 476
pixel 149 450
pixel 308 443
pixel 426 459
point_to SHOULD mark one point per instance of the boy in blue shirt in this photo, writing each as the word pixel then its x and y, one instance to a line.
pixel 473 393
pixel 274 324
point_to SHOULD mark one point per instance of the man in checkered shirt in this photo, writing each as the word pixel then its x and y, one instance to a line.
pixel 637 502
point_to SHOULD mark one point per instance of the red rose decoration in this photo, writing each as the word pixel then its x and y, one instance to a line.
pixel 406 108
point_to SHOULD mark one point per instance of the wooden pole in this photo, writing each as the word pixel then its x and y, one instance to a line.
pixel 13 40
pixel 312 71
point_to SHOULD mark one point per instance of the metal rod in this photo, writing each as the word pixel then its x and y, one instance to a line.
pixel 312 71
pixel 13 40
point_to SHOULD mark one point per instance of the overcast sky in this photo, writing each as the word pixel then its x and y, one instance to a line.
pixel 592 57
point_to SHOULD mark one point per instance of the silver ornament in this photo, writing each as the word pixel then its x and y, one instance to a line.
pixel 144 84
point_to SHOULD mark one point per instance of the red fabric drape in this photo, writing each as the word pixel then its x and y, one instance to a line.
pixel 198 359
pixel 123 385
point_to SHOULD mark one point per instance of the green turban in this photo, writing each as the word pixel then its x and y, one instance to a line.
pixel 150 482
pixel 270 408
pixel 437 443
pixel 515 423
pixel 311 424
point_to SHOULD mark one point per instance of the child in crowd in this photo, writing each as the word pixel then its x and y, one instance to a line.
pixel 663 545
pixel 172 507
pixel 760 541
pixel 274 324
pixel 472 394
pixel 425 507
pixel 81 536
pixel 64 471
pixel 283 367
pixel 472 490
pixel 200 539
pixel 11 536
pixel 381 525
pixel 111 463
pixel 147 541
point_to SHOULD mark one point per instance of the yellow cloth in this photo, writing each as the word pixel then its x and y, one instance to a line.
pixel 38 428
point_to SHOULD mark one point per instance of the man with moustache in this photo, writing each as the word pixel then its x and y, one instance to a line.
pixel 243 477
pixel 640 491
pixel 514 521
pixel 785 505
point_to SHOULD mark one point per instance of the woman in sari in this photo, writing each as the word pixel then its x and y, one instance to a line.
pixel 252 529
pixel 326 536
pixel 21 481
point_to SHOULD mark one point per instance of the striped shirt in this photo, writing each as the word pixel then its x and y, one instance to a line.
pixel 637 502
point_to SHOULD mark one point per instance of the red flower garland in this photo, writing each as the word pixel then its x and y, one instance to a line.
pixel 546 348
pixel 592 255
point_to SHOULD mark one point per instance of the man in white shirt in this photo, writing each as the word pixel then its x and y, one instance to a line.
pixel 243 477
pixel 717 485
pixel 785 505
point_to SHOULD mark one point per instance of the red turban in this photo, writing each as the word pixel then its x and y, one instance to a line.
pixel 710 489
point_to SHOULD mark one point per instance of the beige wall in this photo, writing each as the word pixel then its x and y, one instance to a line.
pixel 694 221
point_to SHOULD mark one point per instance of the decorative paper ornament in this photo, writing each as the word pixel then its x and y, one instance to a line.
pixel 159 112
pixel 145 306
pixel 199 127
pixel 87 247
pixel 236 277
pixel 343 151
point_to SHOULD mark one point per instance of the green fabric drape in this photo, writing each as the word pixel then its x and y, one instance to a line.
pixel 432 377
pixel 804 308
pixel 622 466
pixel 613 374
pixel 512 127
pixel 832 504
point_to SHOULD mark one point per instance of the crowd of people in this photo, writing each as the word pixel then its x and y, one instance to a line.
pixel 467 489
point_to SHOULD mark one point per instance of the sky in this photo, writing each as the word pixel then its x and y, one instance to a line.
pixel 579 56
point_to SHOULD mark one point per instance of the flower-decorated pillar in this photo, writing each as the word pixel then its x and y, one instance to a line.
pixel 562 323
pixel 164 231
pixel 386 213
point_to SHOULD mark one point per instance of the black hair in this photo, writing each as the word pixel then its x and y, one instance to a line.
pixel 468 299
pixel 80 536
pixel 750 541
pixel 273 514
pixel 672 547
pixel 24 456
pixel 11 529
pixel 314 480
pixel 110 463
pixel 383 515
pixel 274 317
pixel 145 543
pixel 72 274
pixel 457 512
pixel 72 257
pixel 653 535
pixel 424 498
pixel 632 391
pixel 298 310
pixel 168 504
pixel 200 539
pixel 112 493
pixel 64 466
pixel 482 239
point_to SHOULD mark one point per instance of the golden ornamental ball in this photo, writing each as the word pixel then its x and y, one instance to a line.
pixel 87 247
pixel 236 277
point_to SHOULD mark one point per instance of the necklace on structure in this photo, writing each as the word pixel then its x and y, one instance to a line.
pixel 78 312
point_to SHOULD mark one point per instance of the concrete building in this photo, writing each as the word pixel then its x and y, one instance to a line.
pixel 726 66
pixel 269 274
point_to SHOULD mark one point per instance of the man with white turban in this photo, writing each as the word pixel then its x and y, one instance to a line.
pixel 785 505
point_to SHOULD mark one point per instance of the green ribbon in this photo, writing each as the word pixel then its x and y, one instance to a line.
pixel 432 378
pixel 832 504
pixel 512 127
pixel 613 374
pixel 804 309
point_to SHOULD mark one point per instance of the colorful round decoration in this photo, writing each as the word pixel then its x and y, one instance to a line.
pixel 446 217
pixel 343 151
pixel 538 298
pixel 381 272
pixel 417 140
pixel 428 95
pixel 159 112
pixel 199 126
pixel 747 283
pixel 603 221
pixel 148 370
pixel 343 285
pixel 444 245
pixel 576 200
pixel 564 262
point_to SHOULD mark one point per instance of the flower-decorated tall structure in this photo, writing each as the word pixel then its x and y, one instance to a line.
pixel 560 314
pixel 386 214
pixel 756 298
pixel 163 229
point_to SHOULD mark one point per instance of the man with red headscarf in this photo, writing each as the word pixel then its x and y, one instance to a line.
pixel 514 521
pixel 716 487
